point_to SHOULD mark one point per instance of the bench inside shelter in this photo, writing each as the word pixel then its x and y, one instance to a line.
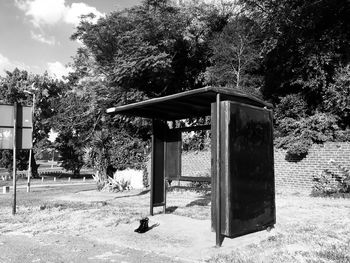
pixel 242 168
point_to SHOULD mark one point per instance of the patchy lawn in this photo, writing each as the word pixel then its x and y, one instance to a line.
pixel 75 223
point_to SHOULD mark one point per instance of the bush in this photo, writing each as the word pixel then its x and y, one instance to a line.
pixel 297 136
pixel 298 126
pixel 332 181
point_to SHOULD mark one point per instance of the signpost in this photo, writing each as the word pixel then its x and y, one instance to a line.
pixel 14 167
pixel 15 133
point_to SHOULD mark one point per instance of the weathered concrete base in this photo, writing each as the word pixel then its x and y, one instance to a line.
pixel 178 237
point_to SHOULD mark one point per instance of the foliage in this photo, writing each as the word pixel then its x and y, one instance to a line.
pixel 77 117
pixel 129 151
pixel 305 69
pixel 336 99
pixel 149 50
pixel 332 181
pixel 156 49
pixel 20 86
pixel 304 43
pixel 110 185
pixel 195 141
pixel 70 146
pixel 98 155
pixel 236 55
pixel 6 160
pixel 291 106
pixel 297 135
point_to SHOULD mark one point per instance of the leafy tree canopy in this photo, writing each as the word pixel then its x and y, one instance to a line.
pixel 305 68
pixel 20 86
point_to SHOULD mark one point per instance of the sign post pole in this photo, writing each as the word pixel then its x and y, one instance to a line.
pixel 14 157
pixel 31 149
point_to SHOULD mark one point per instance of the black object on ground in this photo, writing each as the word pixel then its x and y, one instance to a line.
pixel 143 226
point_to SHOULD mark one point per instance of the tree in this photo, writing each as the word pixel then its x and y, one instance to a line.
pixel 75 120
pixel 236 54
pixel 147 51
pixel 305 42
pixel 14 87
pixel 155 48
pixel 336 99
pixel 305 48
pixel 70 147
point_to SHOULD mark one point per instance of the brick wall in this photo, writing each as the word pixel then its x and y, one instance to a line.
pixel 298 175
pixel 288 175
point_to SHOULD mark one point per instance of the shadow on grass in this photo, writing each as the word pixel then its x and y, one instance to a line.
pixel 199 202
pixel 171 209
pixel 124 196
pixel 204 200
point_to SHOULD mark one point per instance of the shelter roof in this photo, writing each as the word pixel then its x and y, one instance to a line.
pixel 192 103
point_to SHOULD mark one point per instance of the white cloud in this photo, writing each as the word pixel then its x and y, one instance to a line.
pixel 7 65
pixel 57 69
pixel 42 11
pixel 50 12
pixel 76 10
pixel 41 38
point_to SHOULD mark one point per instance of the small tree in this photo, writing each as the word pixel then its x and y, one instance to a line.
pixel 235 54
pixel 70 145
pixel 98 154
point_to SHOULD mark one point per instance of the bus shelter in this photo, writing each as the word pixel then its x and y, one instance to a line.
pixel 242 166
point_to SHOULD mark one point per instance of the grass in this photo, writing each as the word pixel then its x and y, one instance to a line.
pixel 308 229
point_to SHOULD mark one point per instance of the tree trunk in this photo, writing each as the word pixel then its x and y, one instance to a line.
pixel 35 173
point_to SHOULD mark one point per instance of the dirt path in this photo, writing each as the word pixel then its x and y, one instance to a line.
pixel 65 248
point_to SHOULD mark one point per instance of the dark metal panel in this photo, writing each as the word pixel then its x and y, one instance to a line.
pixel 173 154
pixel 157 182
pixel 248 198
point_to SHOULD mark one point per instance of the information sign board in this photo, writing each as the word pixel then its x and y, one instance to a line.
pixel 24 127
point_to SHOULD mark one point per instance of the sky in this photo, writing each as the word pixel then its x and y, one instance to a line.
pixel 34 34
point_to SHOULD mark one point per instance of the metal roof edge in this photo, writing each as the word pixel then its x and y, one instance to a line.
pixel 221 90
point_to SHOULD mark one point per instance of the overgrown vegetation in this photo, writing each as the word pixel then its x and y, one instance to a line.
pixel 332 182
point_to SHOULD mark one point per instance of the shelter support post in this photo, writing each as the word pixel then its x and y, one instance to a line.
pixel 152 178
pixel 216 170
pixel 14 168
